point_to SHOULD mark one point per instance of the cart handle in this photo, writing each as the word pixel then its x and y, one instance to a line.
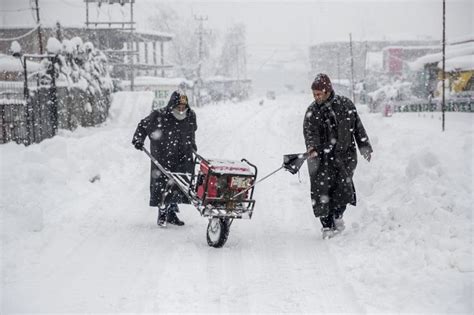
pixel 170 175
pixel 247 189
pixel 200 156
pixel 155 161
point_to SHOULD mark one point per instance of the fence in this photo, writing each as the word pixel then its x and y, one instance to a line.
pixel 37 117
pixel 459 102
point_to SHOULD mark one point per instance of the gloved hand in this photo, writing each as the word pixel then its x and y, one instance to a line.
pixel 138 145
pixel 312 152
pixel 366 154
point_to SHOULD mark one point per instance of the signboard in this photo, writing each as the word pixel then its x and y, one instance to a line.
pixel 162 96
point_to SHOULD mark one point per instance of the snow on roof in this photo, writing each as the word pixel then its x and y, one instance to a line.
pixel 451 52
pixel 220 78
pixel 413 47
pixel 149 80
pixel 12 64
pixel 458 63
pixel 154 33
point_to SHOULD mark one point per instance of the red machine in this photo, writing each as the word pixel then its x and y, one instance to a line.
pixel 219 181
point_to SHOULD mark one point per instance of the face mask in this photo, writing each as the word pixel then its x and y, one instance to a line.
pixel 179 115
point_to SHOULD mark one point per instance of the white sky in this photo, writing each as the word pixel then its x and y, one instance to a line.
pixel 278 31
pixel 282 23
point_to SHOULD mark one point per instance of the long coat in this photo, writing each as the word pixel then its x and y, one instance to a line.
pixel 172 142
pixel 333 128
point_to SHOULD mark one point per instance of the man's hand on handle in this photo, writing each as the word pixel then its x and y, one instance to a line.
pixel 138 145
pixel 312 152
pixel 366 154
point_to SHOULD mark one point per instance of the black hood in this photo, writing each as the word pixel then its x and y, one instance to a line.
pixel 174 101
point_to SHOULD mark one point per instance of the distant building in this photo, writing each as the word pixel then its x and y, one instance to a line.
pixel 220 88
pixel 334 58
pixel 148 46
pixel 396 58
pixel 459 67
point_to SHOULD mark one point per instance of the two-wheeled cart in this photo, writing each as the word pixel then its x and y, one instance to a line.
pixel 221 190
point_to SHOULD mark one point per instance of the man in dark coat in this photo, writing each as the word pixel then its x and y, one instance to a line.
pixel 172 141
pixel 331 129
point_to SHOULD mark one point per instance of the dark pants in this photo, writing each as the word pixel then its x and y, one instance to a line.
pixel 328 221
pixel 171 207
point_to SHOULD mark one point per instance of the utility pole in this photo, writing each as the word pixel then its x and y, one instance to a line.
pixel 352 68
pixel 40 39
pixel 200 32
pixel 365 63
pixel 443 104
pixel 132 67
pixel 59 32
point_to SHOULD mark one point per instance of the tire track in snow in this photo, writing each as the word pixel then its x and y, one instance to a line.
pixel 268 243
pixel 123 262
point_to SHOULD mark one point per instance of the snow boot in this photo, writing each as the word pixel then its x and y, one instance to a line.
pixel 328 233
pixel 173 219
pixel 162 214
pixel 339 224
pixel 328 228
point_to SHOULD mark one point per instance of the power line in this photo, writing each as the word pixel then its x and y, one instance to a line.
pixel 40 39
pixel 19 37
pixel 15 10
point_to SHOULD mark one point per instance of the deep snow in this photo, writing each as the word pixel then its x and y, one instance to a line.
pixel 78 236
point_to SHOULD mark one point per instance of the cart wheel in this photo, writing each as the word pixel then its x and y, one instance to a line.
pixel 217 232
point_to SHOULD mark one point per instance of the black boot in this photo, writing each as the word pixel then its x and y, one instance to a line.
pixel 162 214
pixel 327 221
pixel 173 219
pixel 328 229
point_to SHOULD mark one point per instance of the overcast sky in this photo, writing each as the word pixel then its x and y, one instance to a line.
pixel 278 24
pixel 281 22
pixel 277 30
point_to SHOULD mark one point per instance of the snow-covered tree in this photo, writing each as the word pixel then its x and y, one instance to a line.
pixel 184 50
pixel 233 61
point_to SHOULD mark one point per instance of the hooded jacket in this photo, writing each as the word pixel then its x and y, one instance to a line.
pixel 172 143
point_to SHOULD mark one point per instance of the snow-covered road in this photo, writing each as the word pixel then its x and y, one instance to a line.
pixel 72 245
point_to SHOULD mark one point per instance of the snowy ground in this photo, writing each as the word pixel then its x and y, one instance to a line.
pixel 70 245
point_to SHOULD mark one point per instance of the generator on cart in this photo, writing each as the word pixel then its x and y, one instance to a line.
pixel 225 192
pixel 222 190
pixel 219 180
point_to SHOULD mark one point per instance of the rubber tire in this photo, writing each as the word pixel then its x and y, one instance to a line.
pixel 222 230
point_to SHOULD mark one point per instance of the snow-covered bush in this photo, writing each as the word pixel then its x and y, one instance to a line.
pixel 82 71
pixel 15 47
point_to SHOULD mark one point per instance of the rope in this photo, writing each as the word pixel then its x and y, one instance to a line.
pixel 15 10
